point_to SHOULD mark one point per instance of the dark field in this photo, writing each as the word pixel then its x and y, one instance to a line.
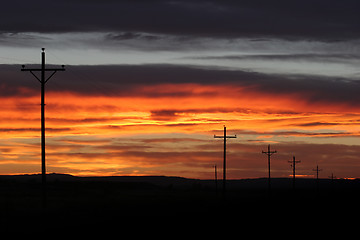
pixel 98 202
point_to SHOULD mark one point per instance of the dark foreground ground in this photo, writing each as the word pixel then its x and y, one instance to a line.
pixel 123 203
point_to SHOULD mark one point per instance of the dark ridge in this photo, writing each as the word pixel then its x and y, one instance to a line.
pixel 161 181
pixel 98 203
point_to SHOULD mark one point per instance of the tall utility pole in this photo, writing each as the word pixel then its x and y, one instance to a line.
pixel 269 153
pixel 224 164
pixel 317 176
pixel 293 164
pixel 43 80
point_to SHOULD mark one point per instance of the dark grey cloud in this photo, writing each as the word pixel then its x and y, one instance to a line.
pixel 315 124
pixel 164 115
pixel 148 81
pixel 314 57
pixel 320 19
pixel 323 134
pixel 131 35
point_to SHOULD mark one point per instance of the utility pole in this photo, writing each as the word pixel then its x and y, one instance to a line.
pixel 224 164
pixel 317 177
pixel 332 177
pixel 216 182
pixel 269 153
pixel 293 164
pixel 43 80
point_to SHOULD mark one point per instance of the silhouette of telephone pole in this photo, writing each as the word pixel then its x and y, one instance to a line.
pixel 317 176
pixel 43 80
pixel 332 177
pixel 216 181
pixel 224 164
pixel 269 153
pixel 293 164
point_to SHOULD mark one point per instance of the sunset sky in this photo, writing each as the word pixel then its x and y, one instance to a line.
pixel 148 84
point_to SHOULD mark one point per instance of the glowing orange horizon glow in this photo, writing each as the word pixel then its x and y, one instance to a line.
pixel 84 131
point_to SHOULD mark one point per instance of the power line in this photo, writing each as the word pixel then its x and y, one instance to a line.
pixel 87 78
pixel 20 60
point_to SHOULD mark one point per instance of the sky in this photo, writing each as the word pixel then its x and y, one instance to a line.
pixel 149 83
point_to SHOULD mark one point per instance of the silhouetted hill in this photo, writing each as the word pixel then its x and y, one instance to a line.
pixel 55 177
pixel 180 182
pixel 99 201
pixel 37 177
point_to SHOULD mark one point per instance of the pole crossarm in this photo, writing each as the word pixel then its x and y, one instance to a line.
pixel 317 170
pixel 269 153
pixel 226 136
pixel 294 161
pixel 39 69
pixel 31 70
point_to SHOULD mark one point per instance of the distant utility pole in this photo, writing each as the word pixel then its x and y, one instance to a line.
pixel 293 164
pixel 224 164
pixel 216 184
pixel 269 153
pixel 332 177
pixel 43 80
pixel 317 176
